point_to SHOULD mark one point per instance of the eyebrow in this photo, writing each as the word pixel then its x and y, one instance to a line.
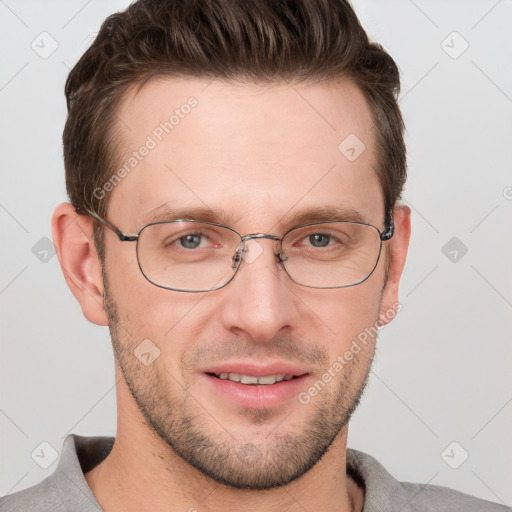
pixel 166 212
pixel 325 214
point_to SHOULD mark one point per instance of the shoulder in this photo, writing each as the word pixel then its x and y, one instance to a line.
pixel 384 493
pixel 418 497
pixel 43 497
pixel 66 489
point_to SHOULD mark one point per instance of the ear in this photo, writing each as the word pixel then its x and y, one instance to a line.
pixel 72 236
pixel 398 246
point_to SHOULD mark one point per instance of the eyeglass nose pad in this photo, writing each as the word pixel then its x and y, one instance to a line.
pixel 281 258
pixel 238 256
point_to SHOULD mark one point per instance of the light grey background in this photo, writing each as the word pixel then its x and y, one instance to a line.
pixel 443 367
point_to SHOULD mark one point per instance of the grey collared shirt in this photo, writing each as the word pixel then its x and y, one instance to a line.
pixel 66 490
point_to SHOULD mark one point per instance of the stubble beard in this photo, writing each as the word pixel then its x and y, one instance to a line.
pixel 188 428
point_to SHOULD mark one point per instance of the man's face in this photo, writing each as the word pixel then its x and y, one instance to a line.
pixel 256 156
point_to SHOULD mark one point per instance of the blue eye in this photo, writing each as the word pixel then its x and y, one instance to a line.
pixel 191 241
pixel 319 240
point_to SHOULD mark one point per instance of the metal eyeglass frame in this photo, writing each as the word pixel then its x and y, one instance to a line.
pixel 238 256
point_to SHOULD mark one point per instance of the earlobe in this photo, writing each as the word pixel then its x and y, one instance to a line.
pixel 72 236
pixel 398 246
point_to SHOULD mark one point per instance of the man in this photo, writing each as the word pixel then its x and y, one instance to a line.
pixel 234 171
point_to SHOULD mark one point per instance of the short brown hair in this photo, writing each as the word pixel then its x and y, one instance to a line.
pixel 241 40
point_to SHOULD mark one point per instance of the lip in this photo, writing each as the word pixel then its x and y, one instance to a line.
pixel 256 396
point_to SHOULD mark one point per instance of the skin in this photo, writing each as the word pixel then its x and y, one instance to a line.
pixel 260 154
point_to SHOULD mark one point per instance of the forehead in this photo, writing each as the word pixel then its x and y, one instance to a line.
pixel 254 151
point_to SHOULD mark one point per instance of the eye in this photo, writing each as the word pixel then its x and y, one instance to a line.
pixel 188 241
pixel 191 241
pixel 319 240
pixel 310 239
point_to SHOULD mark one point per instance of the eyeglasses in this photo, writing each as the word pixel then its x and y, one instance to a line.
pixel 195 256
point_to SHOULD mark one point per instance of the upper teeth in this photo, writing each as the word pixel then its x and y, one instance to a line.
pixel 250 379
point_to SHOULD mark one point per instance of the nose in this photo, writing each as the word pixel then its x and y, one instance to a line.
pixel 259 303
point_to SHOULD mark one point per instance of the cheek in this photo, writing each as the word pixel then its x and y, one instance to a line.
pixel 173 321
pixel 144 309
pixel 343 314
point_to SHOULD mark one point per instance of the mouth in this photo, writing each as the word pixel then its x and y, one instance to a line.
pixel 253 380
pixel 255 387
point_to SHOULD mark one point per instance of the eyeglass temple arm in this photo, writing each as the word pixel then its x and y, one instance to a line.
pixel 122 237
pixel 390 228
